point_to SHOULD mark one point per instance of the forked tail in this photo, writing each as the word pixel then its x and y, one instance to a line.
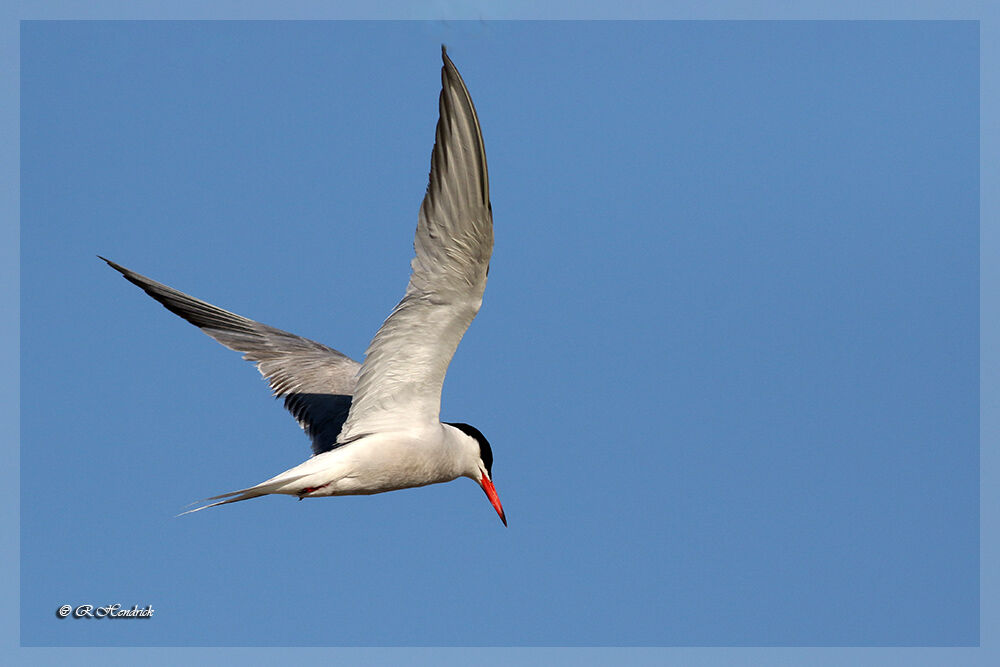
pixel 263 489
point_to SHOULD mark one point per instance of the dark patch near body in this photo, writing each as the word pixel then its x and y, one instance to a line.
pixel 485 453
pixel 321 416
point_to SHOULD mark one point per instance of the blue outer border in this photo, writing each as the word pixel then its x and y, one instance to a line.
pixel 988 14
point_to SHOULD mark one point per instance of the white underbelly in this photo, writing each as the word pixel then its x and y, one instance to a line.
pixel 380 463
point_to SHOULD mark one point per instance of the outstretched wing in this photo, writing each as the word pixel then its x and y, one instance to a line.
pixel 316 382
pixel 404 368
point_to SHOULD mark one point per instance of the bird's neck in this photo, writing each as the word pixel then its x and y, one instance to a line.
pixel 464 451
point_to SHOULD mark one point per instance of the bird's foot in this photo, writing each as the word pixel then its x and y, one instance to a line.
pixel 310 489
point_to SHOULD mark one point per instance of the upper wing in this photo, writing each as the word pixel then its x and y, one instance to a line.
pixel 315 381
pixel 401 378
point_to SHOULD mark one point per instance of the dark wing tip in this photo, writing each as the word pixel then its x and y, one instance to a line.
pixel 455 101
pixel 119 268
pixel 447 66
pixel 134 278
pixel 114 266
pixel 449 71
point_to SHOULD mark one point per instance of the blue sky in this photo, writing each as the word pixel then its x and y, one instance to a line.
pixel 728 356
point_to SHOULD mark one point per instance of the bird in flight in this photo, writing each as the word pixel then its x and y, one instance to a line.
pixel 375 426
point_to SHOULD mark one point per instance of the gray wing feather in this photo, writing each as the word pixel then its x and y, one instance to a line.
pixel 317 382
pixel 405 364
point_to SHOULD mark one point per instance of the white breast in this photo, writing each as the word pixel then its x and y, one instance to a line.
pixel 381 462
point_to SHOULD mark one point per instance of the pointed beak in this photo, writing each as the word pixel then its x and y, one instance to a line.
pixel 491 493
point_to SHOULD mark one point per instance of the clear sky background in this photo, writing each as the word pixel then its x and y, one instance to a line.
pixel 728 354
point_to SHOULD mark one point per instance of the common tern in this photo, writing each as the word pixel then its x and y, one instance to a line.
pixel 375 426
